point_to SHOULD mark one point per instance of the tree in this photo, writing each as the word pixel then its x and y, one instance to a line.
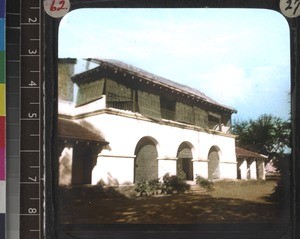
pixel 268 135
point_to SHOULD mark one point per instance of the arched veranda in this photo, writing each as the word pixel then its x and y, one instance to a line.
pixel 184 161
pixel 146 163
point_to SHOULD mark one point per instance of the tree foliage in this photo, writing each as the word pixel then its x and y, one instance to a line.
pixel 268 135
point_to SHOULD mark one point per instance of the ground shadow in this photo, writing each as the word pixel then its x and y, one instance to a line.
pixel 98 205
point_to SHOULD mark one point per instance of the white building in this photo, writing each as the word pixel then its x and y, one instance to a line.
pixel 153 126
pixel 251 165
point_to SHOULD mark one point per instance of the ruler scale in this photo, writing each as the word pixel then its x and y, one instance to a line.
pixel 31 184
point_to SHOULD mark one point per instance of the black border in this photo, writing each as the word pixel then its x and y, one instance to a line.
pixel 52 226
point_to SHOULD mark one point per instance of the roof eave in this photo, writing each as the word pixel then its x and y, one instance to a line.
pixel 86 141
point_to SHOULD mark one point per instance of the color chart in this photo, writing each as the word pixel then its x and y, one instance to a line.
pixel 2 121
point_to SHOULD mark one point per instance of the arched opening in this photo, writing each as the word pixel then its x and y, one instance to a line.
pixel 213 163
pixel 146 163
pixel 184 161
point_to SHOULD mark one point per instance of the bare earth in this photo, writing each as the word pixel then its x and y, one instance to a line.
pixel 230 202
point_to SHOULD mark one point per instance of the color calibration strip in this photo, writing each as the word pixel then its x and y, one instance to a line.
pixel 2 122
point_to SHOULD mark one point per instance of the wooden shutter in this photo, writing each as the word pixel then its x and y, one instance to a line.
pixel 149 104
pixel 89 92
pixel 201 117
pixel 184 113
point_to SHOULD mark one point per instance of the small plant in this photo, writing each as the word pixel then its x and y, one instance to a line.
pixel 155 186
pixel 146 188
pixel 142 188
pixel 205 183
pixel 172 183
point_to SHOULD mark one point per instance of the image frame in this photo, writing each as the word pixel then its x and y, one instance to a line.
pixel 51 26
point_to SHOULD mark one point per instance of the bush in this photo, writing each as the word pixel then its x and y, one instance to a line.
pixel 142 187
pixel 169 185
pixel 174 183
pixel 155 185
pixel 146 188
pixel 204 183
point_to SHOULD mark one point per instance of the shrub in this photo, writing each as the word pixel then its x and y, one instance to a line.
pixel 172 183
pixel 142 187
pixel 154 185
pixel 204 183
pixel 146 188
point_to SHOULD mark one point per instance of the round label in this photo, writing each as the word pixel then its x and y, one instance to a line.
pixel 290 8
pixel 57 8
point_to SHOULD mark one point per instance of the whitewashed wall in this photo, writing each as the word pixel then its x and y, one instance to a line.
pixel 124 129
pixel 65 166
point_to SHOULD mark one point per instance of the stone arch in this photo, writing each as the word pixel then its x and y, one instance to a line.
pixel 214 163
pixel 146 163
pixel 184 160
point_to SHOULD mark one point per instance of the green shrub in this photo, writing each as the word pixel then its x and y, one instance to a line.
pixel 172 183
pixel 146 188
pixel 204 183
pixel 142 187
pixel 154 185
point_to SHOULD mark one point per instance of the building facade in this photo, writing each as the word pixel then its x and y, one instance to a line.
pixel 250 165
pixel 153 126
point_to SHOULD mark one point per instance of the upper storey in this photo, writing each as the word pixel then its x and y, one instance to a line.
pixel 126 87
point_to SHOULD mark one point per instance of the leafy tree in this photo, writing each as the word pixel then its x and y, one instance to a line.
pixel 269 135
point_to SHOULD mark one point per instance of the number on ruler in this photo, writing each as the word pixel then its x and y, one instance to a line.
pixel 33 179
pixel 32 52
pixel 32 115
pixel 32 20
pixel 32 83
pixel 32 210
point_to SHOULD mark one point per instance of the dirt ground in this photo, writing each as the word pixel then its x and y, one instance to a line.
pixel 231 201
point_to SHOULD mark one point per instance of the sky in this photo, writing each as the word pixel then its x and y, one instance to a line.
pixel 238 57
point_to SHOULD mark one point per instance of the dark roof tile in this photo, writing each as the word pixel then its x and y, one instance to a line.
pixel 70 130
pixel 242 153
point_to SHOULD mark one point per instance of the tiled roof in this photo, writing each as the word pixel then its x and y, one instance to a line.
pixel 70 130
pixel 118 65
pixel 244 153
